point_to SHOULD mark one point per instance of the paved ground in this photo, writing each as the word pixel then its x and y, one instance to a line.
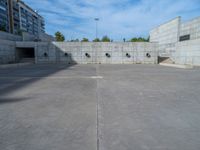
pixel 99 107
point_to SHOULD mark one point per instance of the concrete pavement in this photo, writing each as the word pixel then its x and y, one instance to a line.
pixel 105 107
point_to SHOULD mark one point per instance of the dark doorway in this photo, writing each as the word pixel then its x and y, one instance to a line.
pixel 165 60
pixel 25 55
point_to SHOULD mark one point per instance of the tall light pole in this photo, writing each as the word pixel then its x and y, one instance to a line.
pixel 96 20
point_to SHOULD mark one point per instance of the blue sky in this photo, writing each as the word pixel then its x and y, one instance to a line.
pixel 118 18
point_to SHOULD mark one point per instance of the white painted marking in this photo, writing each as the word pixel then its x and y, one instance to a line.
pixel 55 77
pixel 97 77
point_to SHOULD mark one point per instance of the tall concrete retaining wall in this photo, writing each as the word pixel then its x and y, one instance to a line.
pixel 188 52
pixel 167 35
pixel 191 28
pixel 88 52
pixel 7 52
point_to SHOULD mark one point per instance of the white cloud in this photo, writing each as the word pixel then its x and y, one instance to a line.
pixel 118 18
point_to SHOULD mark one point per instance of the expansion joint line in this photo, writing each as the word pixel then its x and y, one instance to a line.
pixel 97 108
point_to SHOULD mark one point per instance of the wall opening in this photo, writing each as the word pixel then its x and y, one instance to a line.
pixel 24 55
pixel 184 38
pixel 165 60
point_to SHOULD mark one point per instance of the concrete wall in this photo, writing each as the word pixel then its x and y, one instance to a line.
pixel 167 35
pixel 8 36
pixel 188 52
pixel 41 37
pixel 45 37
pixel 7 51
pixel 75 52
pixel 50 49
pixel 28 37
pixel 192 28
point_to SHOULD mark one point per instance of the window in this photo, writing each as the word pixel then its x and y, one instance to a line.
pixel 2 8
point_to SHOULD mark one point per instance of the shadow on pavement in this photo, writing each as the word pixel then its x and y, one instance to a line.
pixel 12 100
pixel 13 79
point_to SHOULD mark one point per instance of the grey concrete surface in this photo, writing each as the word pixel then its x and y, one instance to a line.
pixel 126 107
pixel 188 52
pixel 75 52
pixel 168 35
pixel 9 36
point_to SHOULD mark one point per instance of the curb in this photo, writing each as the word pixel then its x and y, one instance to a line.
pixel 177 66
pixel 14 65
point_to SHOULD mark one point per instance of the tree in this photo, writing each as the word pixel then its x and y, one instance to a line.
pixel 96 40
pixel 77 40
pixel 105 39
pixel 148 39
pixel 59 36
pixel 140 39
pixel 84 40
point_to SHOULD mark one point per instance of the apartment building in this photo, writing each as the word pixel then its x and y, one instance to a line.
pixel 30 20
pixel 17 17
pixel 4 16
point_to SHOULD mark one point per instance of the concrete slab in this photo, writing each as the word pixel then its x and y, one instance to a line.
pixel 148 107
pixel 104 107
pixel 41 113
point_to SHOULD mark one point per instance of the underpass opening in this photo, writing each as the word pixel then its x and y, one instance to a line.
pixel 25 55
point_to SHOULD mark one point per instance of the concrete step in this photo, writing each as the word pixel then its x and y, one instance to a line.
pixel 168 61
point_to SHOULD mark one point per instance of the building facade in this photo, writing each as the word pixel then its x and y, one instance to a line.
pixel 17 17
pixel 30 20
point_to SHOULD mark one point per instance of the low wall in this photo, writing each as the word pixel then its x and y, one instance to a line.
pixel 46 38
pixel 89 52
pixel 28 37
pixel 10 37
pixel 7 52
pixel 41 37
pixel 188 52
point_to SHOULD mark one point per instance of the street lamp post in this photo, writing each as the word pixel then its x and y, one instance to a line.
pixel 96 20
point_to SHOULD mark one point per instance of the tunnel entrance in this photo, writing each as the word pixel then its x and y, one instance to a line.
pixel 25 55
